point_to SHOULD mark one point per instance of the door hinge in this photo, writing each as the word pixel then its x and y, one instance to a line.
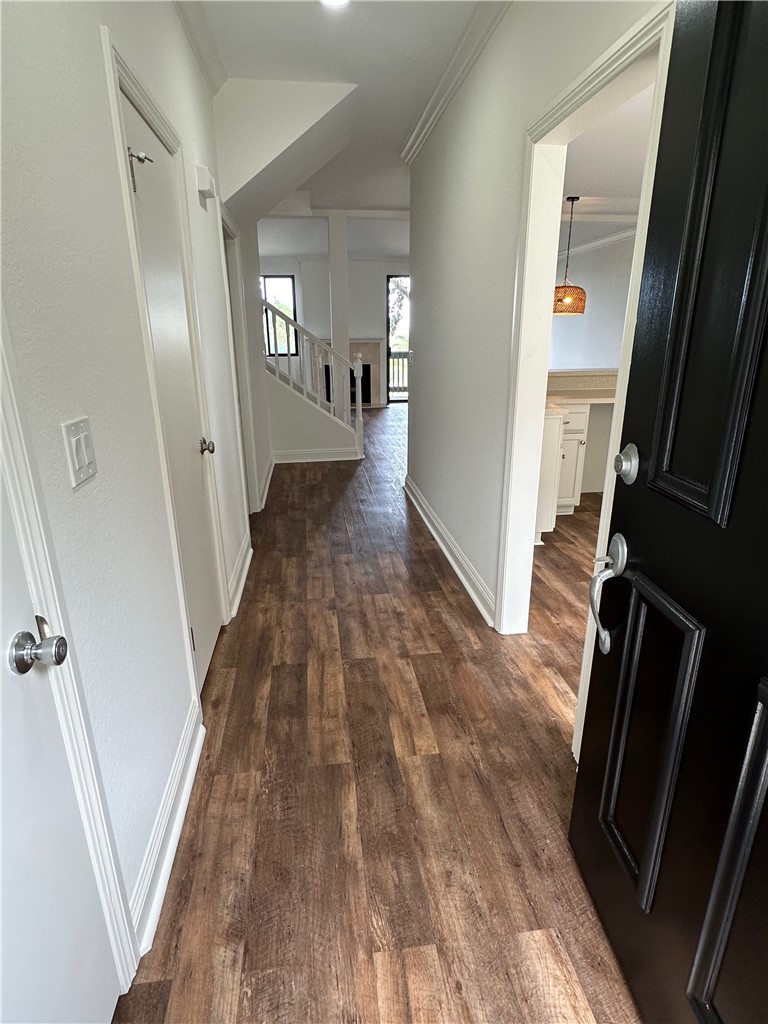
pixel 193 638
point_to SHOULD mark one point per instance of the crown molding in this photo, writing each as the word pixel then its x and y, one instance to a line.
pixel 192 18
pixel 480 27
pixel 619 236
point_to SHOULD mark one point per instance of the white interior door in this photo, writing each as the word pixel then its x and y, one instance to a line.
pixel 57 962
pixel 159 238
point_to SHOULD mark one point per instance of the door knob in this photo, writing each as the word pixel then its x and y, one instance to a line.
pixel 627 463
pixel 615 564
pixel 25 650
pixel 206 446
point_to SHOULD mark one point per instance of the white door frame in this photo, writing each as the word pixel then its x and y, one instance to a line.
pixel 25 494
pixel 121 79
pixel 608 82
pixel 232 268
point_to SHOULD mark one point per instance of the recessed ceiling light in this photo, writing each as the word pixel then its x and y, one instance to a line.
pixel 334 3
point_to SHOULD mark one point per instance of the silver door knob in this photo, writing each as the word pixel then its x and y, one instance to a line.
pixel 25 651
pixel 627 463
pixel 615 563
pixel 206 446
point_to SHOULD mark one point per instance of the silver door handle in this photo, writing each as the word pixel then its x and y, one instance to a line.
pixel 616 563
pixel 206 446
pixel 25 650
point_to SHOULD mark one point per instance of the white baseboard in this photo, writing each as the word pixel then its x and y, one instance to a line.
pixel 265 486
pixel 471 581
pixel 239 573
pixel 148 894
pixel 318 455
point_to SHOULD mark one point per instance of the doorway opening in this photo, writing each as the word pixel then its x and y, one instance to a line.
pixel 398 336
pixel 601 193
pixel 638 63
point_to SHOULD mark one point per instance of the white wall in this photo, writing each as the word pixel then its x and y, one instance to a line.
pixel 74 321
pixel 596 452
pixel 466 199
pixel 301 432
pixel 592 341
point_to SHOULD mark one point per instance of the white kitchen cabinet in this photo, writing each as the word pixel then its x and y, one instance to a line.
pixel 575 426
pixel 549 477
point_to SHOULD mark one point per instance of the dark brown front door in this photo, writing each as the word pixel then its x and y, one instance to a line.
pixel 669 825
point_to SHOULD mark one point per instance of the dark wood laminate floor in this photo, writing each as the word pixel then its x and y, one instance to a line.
pixel 377 831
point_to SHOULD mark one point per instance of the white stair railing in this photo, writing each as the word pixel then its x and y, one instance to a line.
pixel 323 376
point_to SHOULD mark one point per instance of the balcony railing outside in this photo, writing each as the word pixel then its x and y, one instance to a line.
pixel 398 376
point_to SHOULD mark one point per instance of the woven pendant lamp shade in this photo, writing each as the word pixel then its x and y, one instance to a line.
pixel 569 298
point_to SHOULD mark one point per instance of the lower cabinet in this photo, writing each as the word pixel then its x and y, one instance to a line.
pixel 549 477
pixel 575 425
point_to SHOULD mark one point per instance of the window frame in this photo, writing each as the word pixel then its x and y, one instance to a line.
pixel 293 345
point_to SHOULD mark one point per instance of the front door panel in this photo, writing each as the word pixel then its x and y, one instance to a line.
pixel 722 987
pixel 672 706
pixel 662 647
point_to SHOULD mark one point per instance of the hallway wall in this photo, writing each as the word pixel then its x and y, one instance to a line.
pixel 466 220
pixel 73 316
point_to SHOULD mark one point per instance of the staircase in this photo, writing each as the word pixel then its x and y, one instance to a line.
pixel 318 373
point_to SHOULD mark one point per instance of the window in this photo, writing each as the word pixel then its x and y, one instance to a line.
pixel 280 291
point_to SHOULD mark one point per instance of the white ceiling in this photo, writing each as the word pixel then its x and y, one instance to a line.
pixel 394 52
pixel 367 237
pixel 608 159
pixel 604 166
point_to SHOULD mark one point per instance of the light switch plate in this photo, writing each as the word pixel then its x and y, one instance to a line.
pixel 78 445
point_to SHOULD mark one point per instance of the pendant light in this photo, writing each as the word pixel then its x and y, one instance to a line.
pixel 569 298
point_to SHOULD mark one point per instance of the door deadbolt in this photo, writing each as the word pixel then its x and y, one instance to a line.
pixel 627 463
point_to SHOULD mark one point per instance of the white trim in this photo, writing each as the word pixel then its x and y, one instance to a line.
pixel 619 236
pixel 239 574
pixel 120 78
pixel 242 379
pixel 478 590
pixel 203 44
pixel 638 40
pixel 264 489
pixel 45 584
pixel 316 455
pixel 480 27
pixel 152 880
pixel 242 360
pixel 226 224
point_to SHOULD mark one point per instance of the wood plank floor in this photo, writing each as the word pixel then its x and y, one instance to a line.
pixel 377 831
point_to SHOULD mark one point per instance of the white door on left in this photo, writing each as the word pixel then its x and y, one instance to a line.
pixel 57 963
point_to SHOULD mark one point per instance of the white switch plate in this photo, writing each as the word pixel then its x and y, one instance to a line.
pixel 78 444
